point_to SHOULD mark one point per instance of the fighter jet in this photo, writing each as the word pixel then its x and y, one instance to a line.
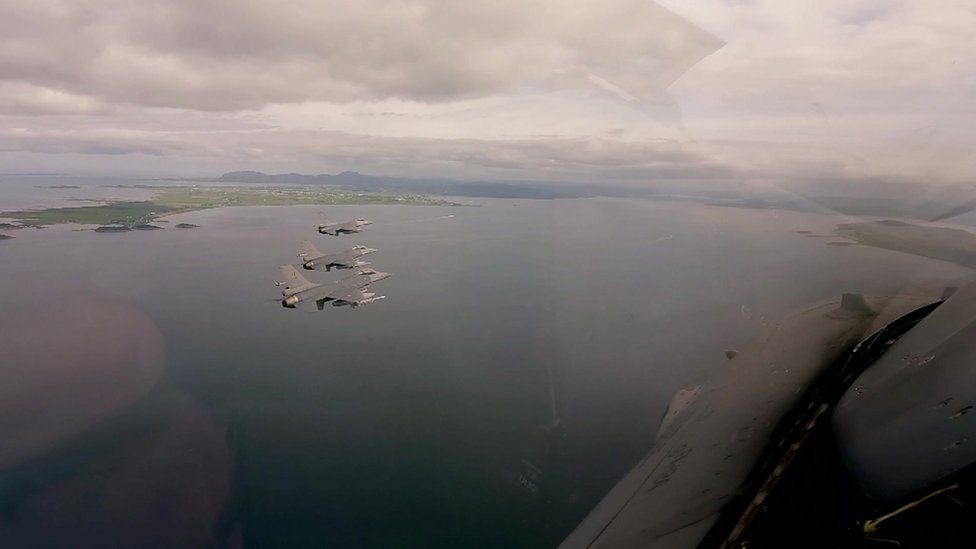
pixel 346 227
pixel 352 290
pixel 312 258
pixel 756 457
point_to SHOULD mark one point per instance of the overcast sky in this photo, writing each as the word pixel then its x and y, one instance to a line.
pixel 608 90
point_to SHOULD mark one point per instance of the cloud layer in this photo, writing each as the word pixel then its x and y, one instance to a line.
pixel 615 89
pixel 230 55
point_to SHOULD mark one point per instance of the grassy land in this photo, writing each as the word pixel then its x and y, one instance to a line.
pixel 171 200
pixel 117 212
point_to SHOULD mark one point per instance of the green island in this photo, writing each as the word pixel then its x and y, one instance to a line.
pixel 180 199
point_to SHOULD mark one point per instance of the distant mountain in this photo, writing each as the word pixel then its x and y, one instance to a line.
pixel 358 181
pixel 244 177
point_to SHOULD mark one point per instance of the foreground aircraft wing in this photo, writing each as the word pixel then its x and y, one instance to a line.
pixel 350 288
pixel 350 294
pixel 713 435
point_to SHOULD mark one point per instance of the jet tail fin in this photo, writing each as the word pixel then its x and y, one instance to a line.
pixel 293 280
pixel 308 250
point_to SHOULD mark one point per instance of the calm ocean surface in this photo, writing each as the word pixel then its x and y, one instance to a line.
pixel 517 369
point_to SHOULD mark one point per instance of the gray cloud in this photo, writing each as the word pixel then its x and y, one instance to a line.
pixel 549 89
pixel 26 99
pixel 228 55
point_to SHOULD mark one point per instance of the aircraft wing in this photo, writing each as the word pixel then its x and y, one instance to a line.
pixel 346 259
pixel 713 436
pixel 350 288
pixel 351 294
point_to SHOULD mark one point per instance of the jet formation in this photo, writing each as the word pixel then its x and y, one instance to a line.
pixel 352 290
